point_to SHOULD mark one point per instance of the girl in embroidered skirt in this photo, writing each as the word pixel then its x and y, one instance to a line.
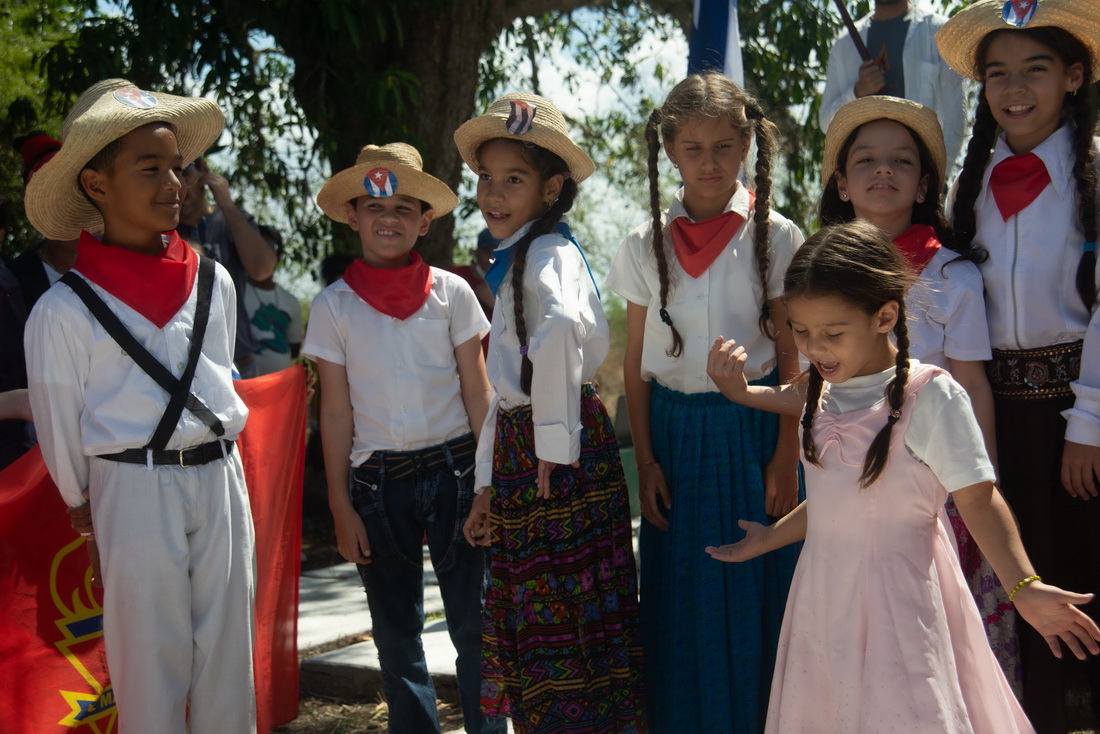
pixel 1027 194
pixel 879 634
pixel 884 163
pixel 712 262
pixel 562 606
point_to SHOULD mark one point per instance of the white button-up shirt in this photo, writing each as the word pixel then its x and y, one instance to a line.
pixel 90 398
pixel 725 300
pixel 945 312
pixel 567 340
pixel 1030 276
pixel 402 374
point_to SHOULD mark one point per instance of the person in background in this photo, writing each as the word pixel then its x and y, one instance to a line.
pixel 274 317
pixel 230 235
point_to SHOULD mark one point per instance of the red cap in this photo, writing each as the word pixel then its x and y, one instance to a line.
pixel 36 149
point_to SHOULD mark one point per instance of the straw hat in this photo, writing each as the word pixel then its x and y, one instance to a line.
pixel 920 119
pixel 391 169
pixel 959 37
pixel 56 205
pixel 529 119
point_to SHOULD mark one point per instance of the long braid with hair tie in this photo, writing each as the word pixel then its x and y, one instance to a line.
pixel 1084 174
pixel 964 218
pixel 813 397
pixel 765 149
pixel 653 145
pixel 879 452
pixel 541 226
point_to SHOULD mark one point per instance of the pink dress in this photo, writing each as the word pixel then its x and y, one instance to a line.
pixel 880 632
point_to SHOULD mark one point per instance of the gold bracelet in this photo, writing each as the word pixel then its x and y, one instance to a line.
pixel 1021 585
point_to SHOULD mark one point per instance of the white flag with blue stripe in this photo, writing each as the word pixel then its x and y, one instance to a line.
pixel 715 43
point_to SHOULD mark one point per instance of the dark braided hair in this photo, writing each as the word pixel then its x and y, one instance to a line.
pixel 834 210
pixel 713 95
pixel 856 263
pixel 1078 108
pixel 547 164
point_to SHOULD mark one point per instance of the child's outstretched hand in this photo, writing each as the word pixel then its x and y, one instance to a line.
pixel 726 366
pixel 1052 612
pixel 749 547
pixel 476 527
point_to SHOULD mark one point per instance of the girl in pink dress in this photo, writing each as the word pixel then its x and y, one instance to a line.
pixel 880 632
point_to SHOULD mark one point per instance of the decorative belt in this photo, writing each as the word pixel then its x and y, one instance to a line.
pixel 1030 374
pixel 196 456
pixel 400 464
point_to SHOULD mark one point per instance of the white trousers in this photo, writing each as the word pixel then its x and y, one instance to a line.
pixel 177 551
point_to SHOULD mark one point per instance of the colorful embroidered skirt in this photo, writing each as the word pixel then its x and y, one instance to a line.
pixel 561 611
pixel 710 629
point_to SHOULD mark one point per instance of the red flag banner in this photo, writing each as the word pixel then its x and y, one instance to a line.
pixel 53 669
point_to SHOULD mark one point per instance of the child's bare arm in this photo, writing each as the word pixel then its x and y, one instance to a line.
pixel 653 487
pixel 726 366
pixel 971 375
pixel 1050 610
pixel 781 473
pixel 474 382
pixel 337 423
pixel 760 539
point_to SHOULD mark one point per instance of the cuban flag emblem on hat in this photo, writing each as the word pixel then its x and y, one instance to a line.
pixel 136 98
pixel 521 118
pixel 380 182
pixel 1019 12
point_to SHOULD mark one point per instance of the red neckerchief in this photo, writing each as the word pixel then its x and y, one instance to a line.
pixel 156 286
pixel 1016 181
pixel 918 244
pixel 396 292
pixel 698 244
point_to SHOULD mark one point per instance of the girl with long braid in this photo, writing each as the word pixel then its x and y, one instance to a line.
pixel 880 633
pixel 562 606
pixel 1027 194
pixel 712 263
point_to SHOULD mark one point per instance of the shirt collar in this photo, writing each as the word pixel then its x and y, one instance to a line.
pixel 513 238
pixel 739 203
pixel 1054 152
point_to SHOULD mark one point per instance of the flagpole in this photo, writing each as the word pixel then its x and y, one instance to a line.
pixel 852 31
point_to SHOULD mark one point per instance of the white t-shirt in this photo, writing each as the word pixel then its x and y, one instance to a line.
pixel 275 318
pixel 567 340
pixel 725 300
pixel 402 374
pixel 945 312
pixel 942 433
pixel 89 398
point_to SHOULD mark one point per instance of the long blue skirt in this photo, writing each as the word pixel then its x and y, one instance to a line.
pixel 710 629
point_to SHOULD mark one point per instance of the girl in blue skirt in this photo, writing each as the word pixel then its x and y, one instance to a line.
pixel 711 264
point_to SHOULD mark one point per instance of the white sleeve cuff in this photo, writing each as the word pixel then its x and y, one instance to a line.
pixel 557 444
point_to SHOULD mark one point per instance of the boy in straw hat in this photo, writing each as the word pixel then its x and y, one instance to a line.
pixel 389 340
pixel 129 360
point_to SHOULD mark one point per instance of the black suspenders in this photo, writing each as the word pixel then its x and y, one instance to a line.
pixel 179 390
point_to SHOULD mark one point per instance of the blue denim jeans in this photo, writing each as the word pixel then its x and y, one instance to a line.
pixel 430 501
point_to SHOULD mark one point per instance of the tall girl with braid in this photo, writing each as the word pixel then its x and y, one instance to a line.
pixel 562 607
pixel 1027 194
pixel 711 263
pixel 880 633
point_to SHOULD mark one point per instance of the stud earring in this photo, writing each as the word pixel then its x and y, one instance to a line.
pixel 920 198
pixel 844 196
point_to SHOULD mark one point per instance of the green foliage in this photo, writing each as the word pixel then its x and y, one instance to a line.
pixel 26 30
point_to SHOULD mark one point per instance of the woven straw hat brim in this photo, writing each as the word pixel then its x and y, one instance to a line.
pixel 55 204
pixel 959 37
pixel 350 184
pixel 548 130
pixel 918 118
